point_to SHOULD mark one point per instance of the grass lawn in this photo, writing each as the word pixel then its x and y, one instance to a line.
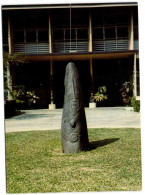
pixel 35 162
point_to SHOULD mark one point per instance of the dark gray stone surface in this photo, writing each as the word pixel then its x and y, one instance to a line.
pixel 74 134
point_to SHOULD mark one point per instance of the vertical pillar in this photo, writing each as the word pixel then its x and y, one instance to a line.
pixel 134 77
pixel 51 105
pixel 50 34
pixel 9 71
pixel 92 104
pixel 137 77
pixel 10 36
pixel 131 32
pixel 91 81
pixel 90 31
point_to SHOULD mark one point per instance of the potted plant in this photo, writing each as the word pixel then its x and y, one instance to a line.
pixel 101 94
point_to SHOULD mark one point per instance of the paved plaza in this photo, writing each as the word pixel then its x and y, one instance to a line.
pixel 45 119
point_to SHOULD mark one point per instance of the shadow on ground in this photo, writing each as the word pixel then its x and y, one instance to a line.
pixel 100 143
pixel 16 113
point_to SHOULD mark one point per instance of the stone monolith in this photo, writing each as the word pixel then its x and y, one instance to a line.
pixel 74 134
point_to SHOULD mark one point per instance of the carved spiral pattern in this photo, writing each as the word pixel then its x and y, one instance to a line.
pixel 73 137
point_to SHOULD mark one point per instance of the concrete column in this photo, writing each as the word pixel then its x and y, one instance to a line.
pixel 134 77
pixel 91 68
pixel 10 37
pixel 90 32
pixel 50 34
pixel 137 58
pixel 131 32
pixel 52 106
pixel 92 104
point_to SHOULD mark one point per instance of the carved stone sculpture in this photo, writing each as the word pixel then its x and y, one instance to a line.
pixel 74 134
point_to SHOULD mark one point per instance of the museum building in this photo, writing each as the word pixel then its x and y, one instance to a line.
pixel 101 39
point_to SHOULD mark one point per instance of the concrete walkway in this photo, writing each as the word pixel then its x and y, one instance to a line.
pixel 44 119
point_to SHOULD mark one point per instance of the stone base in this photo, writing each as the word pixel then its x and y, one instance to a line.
pixel 92 105
pixel 52 106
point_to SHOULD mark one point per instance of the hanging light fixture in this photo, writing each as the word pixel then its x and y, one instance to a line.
pixel 70 29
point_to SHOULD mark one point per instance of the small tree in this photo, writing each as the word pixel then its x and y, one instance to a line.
pixel 9 62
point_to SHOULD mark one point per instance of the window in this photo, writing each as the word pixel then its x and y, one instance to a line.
pixel 97 20
pixel 79 17
pixel 122 19
pixel 43 36
pixel 30 22
pixel 110 33
pixel 18 22
pixel 60 18
pixel 67 35
pixel 18 36
pixel 58 35
pixel 122 32
pixel 30 36
pixel 73 34
pixel 42 22
pixel 98 34
pixel 82 34
pixel 109 20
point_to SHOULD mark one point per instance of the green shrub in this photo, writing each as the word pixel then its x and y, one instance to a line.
pixel 100 95
pixel 21 95
pixel 126 93
pixel 135 104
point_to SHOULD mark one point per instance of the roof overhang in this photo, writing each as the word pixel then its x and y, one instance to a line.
pixel 82 56
pixel 60 6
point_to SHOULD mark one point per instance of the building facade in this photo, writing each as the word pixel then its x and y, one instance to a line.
pixel 101 39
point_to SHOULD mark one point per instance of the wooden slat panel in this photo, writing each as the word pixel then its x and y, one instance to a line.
pixel 110 45
pixel 42 48
pixel 136 45
pixel 63 47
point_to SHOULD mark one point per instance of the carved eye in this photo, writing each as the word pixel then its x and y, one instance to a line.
pixel 73 123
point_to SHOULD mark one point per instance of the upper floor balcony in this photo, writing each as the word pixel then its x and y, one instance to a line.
pixel 79 41
pixel 85 31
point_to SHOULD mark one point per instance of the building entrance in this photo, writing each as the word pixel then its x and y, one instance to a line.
pixel 110 73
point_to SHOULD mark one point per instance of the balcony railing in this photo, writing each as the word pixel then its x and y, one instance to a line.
pixel 65 47
pixel 34 48
pixel 110 45
pixel 136 45
pixel 80 46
